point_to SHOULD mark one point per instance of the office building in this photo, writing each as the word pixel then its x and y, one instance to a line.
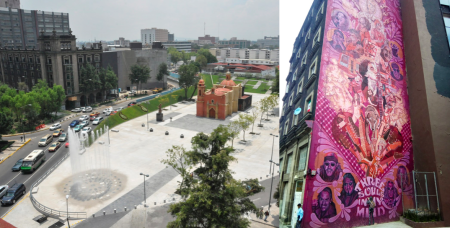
pixel 345 132
pixel 148 36
pixel 212 39
pixel 121 42
pixel 21 28
pixel 171 37
pixel 269 42
pixel 179 45
pixel 15 4
pixel 234 43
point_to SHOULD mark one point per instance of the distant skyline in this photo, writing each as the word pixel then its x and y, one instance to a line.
pixel 111 19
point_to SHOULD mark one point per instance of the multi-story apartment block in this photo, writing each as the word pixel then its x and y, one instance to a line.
pixel 21 28
pixel 345 131
pixel 179 45
pixel 236 53
pixel 57 61
pixel 148 36
pixel 268 42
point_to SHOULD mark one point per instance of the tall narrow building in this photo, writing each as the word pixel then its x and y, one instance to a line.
pixel 345 126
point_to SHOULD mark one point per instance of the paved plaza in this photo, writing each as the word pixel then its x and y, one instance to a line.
pixel 135 150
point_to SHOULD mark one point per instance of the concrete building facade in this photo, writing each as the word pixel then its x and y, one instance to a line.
pixel 212 39
pixel 15 4
pixel 171 37
pixel 21 28
pixel 234 43
pixel 179 45
pixel 121 42
pixel 148 36
pixel 267 42
pixel 426 27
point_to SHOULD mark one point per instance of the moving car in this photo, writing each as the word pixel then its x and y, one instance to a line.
pixel 97 120
pixel 108 109
pixel 83 109
pixel 84 117
pixel 118 109
pixel 57 132
pixel 76 110
pixel 86 130
pixel 88 109
pixel 63 137
pixel 131 104
pixel 78 128
pixel 108 113
pixel 45 140
pixel 74 123
pixel 67 144
pixel 13 194
pixel 84 123
pixel 3 190
pixel 17 166
pixel 55 126
pixel 54 147
pixel 94 115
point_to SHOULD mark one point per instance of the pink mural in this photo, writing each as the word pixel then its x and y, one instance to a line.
pixel 361 139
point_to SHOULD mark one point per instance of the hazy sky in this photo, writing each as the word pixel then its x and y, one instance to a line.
pixel 111 19
pixel 293 14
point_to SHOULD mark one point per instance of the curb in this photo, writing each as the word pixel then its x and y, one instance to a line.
pixel 263 223
pixel 26 133
pixel 15 205
pixel 15 151
pixel 73 224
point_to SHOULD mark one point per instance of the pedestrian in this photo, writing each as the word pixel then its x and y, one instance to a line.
pixel 371 205
pixel 21 138
pixel 267 215
pixel 261 213
pixel 299 215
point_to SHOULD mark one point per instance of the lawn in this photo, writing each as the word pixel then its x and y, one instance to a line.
pixel 252 82
pixel 249 88
pixel 261 89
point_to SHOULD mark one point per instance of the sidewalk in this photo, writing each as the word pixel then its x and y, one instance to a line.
pixel 396 224
pixel 13 148
pixel 272 219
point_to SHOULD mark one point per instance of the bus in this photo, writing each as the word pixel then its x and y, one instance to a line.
pixel 33 161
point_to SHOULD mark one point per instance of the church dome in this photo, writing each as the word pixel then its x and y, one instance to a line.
pixel 201 81
pixel 228 81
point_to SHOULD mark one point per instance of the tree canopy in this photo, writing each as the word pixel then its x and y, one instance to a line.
pixel 187 77
pixel 139 74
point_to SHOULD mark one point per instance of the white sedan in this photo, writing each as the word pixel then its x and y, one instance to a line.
pixel 55 126
pixel 76 110
pixel 88 109
pixel 86 130
pixel 97 120
pixel 84 117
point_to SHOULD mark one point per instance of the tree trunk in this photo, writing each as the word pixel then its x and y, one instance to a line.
pixel 195 89
pixel 243 135
pixel 185 93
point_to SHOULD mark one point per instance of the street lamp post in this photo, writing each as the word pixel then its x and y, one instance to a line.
pixel 145 198
pixel 23 131
pixel 270 196
pixel 67 202
pixel 271 157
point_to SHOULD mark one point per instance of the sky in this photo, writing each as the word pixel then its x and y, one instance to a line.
pixel 110 19
pixel 292 16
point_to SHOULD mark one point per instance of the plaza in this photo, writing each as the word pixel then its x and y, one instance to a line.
pixel 134 150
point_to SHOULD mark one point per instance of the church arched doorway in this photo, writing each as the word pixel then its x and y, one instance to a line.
pixel 212 113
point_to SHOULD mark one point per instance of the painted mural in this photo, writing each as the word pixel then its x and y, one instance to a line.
pixel 361 139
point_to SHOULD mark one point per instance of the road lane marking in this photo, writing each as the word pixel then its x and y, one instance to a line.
pixel 13 178
pixel 45 163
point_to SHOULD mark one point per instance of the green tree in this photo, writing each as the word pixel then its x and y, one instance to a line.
pixel 234 128
pixel 177 157
pixel 254 112
pixel 139 74
pixel 276 82
pixel 187 77
pixel 201 59
pixel 162 70
pixel 245 120
pixel 22 86
pixel 108 79
pixel 6 123
pixel 215 198
pixel 59 96
pixel 89 80
pixel 210 58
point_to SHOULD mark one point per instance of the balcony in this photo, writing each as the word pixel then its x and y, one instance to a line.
pixel 311 80
pixel 286 177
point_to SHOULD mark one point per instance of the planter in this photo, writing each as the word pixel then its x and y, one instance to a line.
pixel 260 125
pixel 422 224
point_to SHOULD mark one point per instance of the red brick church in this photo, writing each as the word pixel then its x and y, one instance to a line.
pixel 222 100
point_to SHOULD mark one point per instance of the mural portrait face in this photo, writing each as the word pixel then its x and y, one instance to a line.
pixel 337 41
pixel 325 208
pixel 390 194
pixel 395 73
pixel 348 193
pixel 331 169
pixel 324 200
pixel 340 20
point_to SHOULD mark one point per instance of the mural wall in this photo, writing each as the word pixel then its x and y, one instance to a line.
pixel 361 143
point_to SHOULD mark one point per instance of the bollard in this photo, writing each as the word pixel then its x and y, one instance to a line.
pixel 155 203
pixel 93 215
pixel 125 208
pixel 151 129
pixel 164 201
pixel 182 136
pixel 167 133
pixel 135 207
pixel 104 212
pixel 115 211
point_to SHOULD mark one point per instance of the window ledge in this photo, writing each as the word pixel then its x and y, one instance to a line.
pixel 311 80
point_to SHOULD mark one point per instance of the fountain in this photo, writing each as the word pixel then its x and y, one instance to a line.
pixel 92 177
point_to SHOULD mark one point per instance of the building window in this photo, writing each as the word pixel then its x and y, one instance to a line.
pixel 30 59
pixel 284 110
pixel 289 164
pixel 320 12
pixel 49 61
pixel 300 87
pixel 17 59
pixel 286 127
pixel 304 58
pixel 302 160
pixel 317 37
pixel 80 59
pixel 445 2
pixel 294 77
pixel 308 35
pixel 308 104
pixel 38 60
pixel 287 88
pixel 66 60
pixel 298 53
pixel 97 58
pixel 291 98
pixel 313 68
pixel 88 59
pixel 447 26
pixel 295 119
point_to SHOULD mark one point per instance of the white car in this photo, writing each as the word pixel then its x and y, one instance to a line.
pixel 76 110
pixel 55 126
pixel 3 190
pixel 108 113
pixel 88 109
pixel 84 117
pixel 86 130
pixel 85 123
pixel 109 109
pixel 97 120
pixel 118 109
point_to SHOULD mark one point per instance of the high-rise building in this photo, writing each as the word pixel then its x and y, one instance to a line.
pixel 148 36
pixel 171 37
pixel 345 132
pixel 15 4
pixel 21 28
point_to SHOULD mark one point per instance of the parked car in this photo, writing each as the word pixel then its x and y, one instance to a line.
pixel 55 126
pixel 84 117
pixel 86 130
pixel 3 190
pixel 57 132
pixel 13 194
pixel 88 109
pixel 63 137
pixel 54 147
pixel 74 123
pixel 131 104
pixel 84 123
pixel 78 128
pixel 17 166
pixel 97 120
pixel 76 110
